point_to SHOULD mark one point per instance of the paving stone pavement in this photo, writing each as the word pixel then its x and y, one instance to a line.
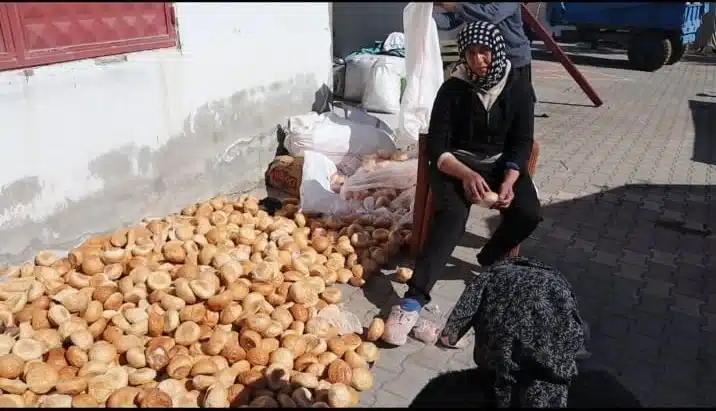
pixel 629 197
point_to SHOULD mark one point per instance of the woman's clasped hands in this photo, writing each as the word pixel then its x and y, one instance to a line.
pixel 478 191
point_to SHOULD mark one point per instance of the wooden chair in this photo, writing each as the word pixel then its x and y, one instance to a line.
pixel 423 208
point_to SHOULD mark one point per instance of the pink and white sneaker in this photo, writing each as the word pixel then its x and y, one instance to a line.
pixel 398 325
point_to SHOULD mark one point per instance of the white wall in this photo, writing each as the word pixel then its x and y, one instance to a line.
pixel 87 146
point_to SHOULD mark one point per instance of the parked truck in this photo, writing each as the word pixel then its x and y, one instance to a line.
pixel 654 34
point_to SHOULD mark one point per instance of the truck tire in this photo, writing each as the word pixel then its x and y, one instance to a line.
pixel 649 52
pixel 677 50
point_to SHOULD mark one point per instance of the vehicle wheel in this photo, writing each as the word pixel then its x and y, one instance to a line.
pixel 677 50
pixel 648 52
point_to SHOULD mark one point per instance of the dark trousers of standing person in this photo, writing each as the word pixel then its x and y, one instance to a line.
pixel 524 73
pixel 447 226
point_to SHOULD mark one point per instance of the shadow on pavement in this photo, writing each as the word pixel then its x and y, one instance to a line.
pixel 565 104
pixel 584 60
pixel 700 58
pixel 703 114
pixel 645 276
pixel 379 289
pixel 642 261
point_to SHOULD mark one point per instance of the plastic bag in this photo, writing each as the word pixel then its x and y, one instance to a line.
pixel 431 321
pixel 387 191
pixel 424 71
pixel 336 136
pixel 394 41
pixel 345 321
pixel 388 174
pixel 316 194
pixel 382 90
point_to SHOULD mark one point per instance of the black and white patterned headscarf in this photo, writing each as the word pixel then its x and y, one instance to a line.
pixel 484 34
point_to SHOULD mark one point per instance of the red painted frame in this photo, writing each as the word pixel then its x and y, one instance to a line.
pixel 9 57
pixel 18 57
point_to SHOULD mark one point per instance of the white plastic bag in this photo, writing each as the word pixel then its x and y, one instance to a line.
pixel 400 175
pixel 424 72
pixel 394 41
pixel 382 89
pixel 316 194
pixel 394 180
pixel 335 136
pixel 345 321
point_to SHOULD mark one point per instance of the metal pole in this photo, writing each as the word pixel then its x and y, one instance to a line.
pixel 561 57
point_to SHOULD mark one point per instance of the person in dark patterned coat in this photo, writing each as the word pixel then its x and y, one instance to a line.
pixel 528 332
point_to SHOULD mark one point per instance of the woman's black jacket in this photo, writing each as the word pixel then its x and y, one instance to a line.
pixel 459 121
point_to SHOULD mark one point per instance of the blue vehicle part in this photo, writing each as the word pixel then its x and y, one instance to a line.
pixel 673 17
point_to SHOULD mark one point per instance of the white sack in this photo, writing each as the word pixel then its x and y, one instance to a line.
pixel 336 136
pixel 424 71
pixel 358 68
pixel 382 89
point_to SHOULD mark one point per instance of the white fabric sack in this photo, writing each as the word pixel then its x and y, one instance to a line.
pixel 382 90
pixel 336 136
pixel 358 72
pixel 424 72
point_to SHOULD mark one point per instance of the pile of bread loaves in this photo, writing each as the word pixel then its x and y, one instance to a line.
pixel 215 306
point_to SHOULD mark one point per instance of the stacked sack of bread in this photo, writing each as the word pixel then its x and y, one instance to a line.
pixel 373 187
pixel 216 306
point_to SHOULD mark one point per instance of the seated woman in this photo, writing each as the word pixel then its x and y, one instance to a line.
pixel 480 140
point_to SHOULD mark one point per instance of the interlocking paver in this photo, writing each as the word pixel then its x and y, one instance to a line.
pixel 629 198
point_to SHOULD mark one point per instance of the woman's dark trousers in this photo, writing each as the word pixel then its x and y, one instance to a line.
pixel 447 227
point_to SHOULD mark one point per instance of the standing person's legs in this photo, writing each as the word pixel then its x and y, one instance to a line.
pixel 524 73
pixel 446 229
pixel 528 78
pixel 519 220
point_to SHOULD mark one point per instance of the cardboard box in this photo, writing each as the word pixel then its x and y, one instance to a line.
pixel 284 174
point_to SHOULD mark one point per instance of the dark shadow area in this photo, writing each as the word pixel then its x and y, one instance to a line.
pixel 712 95
pixel 583 48
pixel 380 292
pixel 700 58
pixel 634 255
pixel 473 388
pixel 565 104
pixel 703 114
pixel 585 60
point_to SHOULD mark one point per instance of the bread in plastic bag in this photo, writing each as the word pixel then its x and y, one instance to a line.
pixel 383 189
pixel 386 174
